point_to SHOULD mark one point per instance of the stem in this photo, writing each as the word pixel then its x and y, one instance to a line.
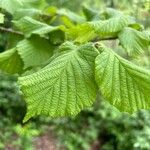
pixel 105 39
pixel 108 38
pixel 2 29
pixel 9 30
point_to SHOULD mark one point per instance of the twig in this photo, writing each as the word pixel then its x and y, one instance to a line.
pixel 108 38
pixel 104 39
pixel 9 30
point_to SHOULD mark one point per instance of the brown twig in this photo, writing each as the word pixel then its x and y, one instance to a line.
pixel 9 30
pixel 104 39
pixel 108 38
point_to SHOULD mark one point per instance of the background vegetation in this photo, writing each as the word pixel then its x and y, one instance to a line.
pixel 100 127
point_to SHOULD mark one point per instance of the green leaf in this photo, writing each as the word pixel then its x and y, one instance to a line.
pixel 10 5
pixel 38 4
pixel 13 39
pixel 82 33
pixel 11 62
pixel 71 15
pixel 57 37
pixel 90 14
pixel 102 29
pixel 110 12
pixel 66 22
pixel 109 27
pixel 134 42
pixel 31 26
pixel 1 18
pixel 136 26
pixel 34 51
pixel 123 84
pixel 30 12
pixel 65 86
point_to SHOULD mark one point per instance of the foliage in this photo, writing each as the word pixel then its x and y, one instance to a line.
pixel 16 136
pixel 63 62
pixel 12 110
pixel 104 128
pixel 11 104
pixel 100 126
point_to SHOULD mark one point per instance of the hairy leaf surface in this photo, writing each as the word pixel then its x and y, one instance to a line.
pixel 34 51
pixel 65 86
pixel 134 42
pixel 105 28
pixel 124 85
pixel 30 12
pixel 31 26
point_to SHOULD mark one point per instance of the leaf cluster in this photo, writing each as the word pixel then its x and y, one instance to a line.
pixel 63 61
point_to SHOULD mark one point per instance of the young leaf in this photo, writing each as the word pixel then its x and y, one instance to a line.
pixel 82 33
pixel 111 26
pixel 124 85
pixel 31 26
pixel 65 86
pixel 34 51
pixel 102 29
pixel 71 15
pixel 134 42
pixel 11 62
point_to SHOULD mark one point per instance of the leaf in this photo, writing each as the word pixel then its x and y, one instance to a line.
pixel 89 13
pixel 109 27
pixel 110 13
pixel 123 84
pixel 10 5
pixel 71 15
pixel 30 12
pixel 67 22
pixel 57 37
pixel 136 26
pixel 1 18
pixel 38 4
pixel 134 42
pixel 65 86
pixel 11 62
pixel 34 51
pixel 82 33
pixel 31 26
pixel 102 29
pixel 13 39
pixel 147 32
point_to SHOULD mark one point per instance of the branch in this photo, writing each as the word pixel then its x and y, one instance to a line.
pixel 108 38
pixel 2 29
pixel 97 41
pixel 104 39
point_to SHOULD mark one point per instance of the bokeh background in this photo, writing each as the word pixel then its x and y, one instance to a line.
pixel 101 127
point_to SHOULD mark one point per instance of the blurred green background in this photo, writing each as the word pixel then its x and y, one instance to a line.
pixel 101 127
